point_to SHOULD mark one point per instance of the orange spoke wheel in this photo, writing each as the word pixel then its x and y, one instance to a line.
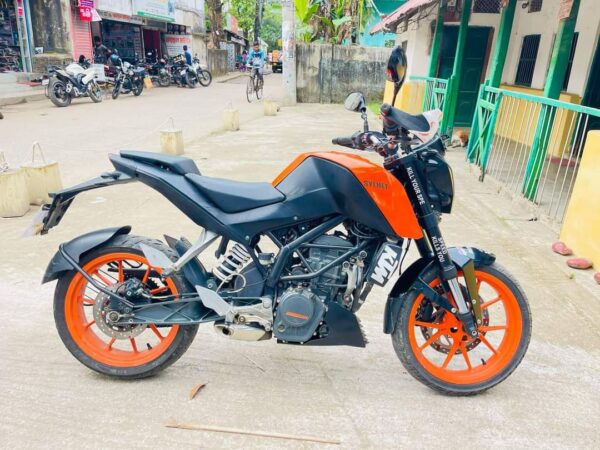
pixel 81 314
pixel 433 345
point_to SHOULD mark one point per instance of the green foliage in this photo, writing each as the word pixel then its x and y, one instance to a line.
pixel 245 12
pixel 271 26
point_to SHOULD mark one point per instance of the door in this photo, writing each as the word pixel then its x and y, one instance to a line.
pixel 472 70
pixel 592 90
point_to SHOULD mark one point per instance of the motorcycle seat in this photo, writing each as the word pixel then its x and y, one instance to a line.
pixel 405 120
pixel 176 164
pixel 235 196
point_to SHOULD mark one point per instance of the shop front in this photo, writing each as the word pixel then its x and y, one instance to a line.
pixel 119 29
pixel 15 43
pixel 81 33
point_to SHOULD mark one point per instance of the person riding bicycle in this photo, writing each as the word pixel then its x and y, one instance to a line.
pixel 256 60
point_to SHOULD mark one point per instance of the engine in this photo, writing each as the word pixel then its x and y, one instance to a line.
pixel 301 307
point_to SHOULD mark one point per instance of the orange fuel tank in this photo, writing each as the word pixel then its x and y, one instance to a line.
pixel 384 189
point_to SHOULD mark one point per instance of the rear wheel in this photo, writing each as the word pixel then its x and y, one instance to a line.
pixel 259 88
pixel 164 79
pixel 123 351
pixel 57 91
pixel 433 346
pixel 191 80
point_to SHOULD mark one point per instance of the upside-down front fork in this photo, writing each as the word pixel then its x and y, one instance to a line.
pixel 448 270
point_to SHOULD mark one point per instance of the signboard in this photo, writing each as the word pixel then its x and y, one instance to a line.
pixel 175 43
pixel 85 13
pixel 564 11
pixel 115 6
pixel 155 9
pixel 120 17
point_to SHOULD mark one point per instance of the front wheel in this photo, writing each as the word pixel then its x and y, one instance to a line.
pixel 116 90
pixel 164 80
pixel 137 87
pixel 250 89
pixel 122 351
pixel 435 349
pixel 205 78
pixel 95 92
pixel 259 87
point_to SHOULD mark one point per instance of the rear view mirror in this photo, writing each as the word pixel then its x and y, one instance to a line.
pixel 355 102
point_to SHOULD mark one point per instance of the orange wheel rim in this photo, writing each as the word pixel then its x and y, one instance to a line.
pixel 132 352
pixel 462 360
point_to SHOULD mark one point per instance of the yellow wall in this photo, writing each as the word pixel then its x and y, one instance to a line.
pixel 581 227
pixel 410 97
pixel 518 120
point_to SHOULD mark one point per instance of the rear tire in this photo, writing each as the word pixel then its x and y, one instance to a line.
pixel 86 341
pixel 57 93
pixel 431 362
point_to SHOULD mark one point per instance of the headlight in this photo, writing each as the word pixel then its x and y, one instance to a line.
pixel 130 72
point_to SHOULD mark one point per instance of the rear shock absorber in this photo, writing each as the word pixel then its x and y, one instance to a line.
pixel 231 264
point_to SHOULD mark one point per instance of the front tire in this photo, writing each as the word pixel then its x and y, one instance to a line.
pixel 433 347
pixel 95 92
pixel 127 352
pixel 205 78
pixel 116 90
pixel 137 88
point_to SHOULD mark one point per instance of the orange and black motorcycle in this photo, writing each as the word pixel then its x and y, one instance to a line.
pixel 337 224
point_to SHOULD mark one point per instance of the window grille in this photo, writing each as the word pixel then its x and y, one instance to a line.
pixel 487 6
pixel 527 60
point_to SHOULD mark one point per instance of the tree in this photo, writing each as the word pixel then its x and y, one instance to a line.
pixel 244 12
pixel 271 25
pixel 215 14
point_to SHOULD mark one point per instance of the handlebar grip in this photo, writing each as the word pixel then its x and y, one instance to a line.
pixel 344 141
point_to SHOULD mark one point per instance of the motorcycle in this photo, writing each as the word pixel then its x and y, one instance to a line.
pixel 129 306
pixel 203 74
pixel 74 81
pixel 129 78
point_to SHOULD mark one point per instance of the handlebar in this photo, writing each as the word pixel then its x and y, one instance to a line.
pixel 344 141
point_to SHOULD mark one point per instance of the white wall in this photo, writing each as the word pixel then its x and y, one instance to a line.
pixel 545 22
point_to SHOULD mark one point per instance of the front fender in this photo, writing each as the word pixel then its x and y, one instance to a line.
pixel 77 247
pixel 461 256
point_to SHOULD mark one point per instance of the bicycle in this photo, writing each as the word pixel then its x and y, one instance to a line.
pixel 255 85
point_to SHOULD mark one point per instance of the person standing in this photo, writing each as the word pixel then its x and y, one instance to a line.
pixel 101 51
pixel 188 55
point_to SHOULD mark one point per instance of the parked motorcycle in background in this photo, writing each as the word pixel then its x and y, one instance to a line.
pixel 73 81
pixel 204 75
pixel 129 78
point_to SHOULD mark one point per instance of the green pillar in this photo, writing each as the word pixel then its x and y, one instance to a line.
pixel 454 81
pixel 502 41
pixel 495 77
pixel 554 82
pixel 436 45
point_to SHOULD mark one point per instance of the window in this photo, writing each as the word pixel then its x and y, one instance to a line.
pixel 527 60
pixel 487 6
pixel 570 63
pixel 535 5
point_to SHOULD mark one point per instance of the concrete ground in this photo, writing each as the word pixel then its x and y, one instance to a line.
pixel 363 397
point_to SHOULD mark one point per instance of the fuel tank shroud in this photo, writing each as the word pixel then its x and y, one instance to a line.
pixel 354 187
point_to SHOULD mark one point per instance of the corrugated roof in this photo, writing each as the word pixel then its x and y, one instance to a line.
pixel 398 14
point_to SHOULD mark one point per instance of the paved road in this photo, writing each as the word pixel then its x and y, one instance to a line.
pixel 361 396
pixel 81 135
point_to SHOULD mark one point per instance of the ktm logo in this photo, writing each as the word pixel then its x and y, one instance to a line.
pixel 375 184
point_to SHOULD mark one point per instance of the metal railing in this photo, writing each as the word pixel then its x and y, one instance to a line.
pixel 531 145
pixel 434 92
